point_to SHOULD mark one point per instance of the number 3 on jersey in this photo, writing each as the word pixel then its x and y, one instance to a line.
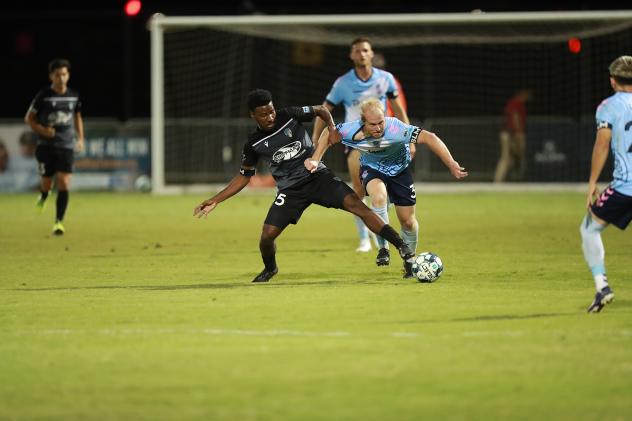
pixel 280 200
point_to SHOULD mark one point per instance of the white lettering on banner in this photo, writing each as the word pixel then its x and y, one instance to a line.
pixel 549 154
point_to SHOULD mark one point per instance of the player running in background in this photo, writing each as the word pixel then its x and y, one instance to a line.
pixel 55 116
pixel 614 204
pixel 281 139
pixel 384 164
pixel 361 83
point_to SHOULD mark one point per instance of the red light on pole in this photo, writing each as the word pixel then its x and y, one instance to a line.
pixel 574 45
pixel 132 7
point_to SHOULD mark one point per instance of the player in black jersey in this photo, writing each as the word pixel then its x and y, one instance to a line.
pixel 55 116
pixel 281 139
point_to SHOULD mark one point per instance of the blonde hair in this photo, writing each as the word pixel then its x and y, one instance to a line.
pixel 621 68
pixel 371 104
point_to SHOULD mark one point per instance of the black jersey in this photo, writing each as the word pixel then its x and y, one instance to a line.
pixel 286 146
pixel 57 111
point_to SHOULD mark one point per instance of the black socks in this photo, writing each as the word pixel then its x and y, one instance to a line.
pixel 62 204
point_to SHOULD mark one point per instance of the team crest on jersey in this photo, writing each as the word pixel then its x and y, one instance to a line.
pixel 288 132
pixel 287 152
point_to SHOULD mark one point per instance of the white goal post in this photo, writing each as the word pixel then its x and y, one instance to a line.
pixel 457 70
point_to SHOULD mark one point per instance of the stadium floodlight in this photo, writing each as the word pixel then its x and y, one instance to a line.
pixel 457 70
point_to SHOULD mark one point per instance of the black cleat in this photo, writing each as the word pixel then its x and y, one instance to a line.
pixel 265 275
pixel 408 256
pixel 406 253
pixel 408 270
pixel 383 257
pixel 603 297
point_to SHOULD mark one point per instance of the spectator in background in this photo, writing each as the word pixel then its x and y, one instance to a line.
pixel 513 141
pixel 4 157
pixel 6 181
pixel 23 166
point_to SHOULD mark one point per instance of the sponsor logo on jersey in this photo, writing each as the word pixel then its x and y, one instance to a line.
pixel 288 132
pixel 415 135
pixel 306 110
pixel 59 118
pixel 287 152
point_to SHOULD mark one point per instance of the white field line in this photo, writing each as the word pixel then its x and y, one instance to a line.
pixel 244 332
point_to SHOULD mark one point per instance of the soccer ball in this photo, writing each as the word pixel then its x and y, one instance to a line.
pixel 427 267
pixel 143 183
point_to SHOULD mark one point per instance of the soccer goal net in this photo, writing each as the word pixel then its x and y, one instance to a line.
pixel 457 72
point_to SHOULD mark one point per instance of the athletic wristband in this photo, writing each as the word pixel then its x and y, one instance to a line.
pixel 246 172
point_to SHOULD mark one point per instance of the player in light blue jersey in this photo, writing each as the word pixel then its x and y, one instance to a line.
pixel 614 204
pixel 383 142
pixel 359 84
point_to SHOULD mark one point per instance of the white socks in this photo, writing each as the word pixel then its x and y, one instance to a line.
pixel 411 237
pixel 594 252
pixel 383 214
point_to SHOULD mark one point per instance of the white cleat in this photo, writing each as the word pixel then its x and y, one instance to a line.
pixel 365 246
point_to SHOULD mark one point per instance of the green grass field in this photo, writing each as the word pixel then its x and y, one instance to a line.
pixel 143 312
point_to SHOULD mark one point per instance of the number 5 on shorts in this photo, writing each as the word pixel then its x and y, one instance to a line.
pixel 280 200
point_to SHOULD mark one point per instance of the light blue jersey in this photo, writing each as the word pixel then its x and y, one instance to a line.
pixel 615 112
pixel 389 154
pixel 350 90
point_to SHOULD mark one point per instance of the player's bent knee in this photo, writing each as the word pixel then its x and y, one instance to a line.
pixel 590 227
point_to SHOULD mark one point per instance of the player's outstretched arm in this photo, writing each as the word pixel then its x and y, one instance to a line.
pixel 599 157
pixel 321 147
pixel 439 148
pixel 234 187
pixel 319 123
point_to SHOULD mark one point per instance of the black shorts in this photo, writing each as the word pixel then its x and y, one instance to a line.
pixel 400 188
pixel 52 160
pixel 322 188
pixel 613 207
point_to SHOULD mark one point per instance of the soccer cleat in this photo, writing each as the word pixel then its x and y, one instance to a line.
pixel 40 205
pixel 58 228
pixel 364 246
pixel 406 253
pixel 408 270
pixel 383 257
pixel 603 297
pixel 265 275
pixel 408 256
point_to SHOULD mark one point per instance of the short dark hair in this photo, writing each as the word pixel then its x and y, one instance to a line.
pixel 58 63
pixel 257 98
pixel 359 40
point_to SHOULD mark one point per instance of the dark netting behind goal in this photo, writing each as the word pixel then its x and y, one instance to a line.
pixel 456 77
